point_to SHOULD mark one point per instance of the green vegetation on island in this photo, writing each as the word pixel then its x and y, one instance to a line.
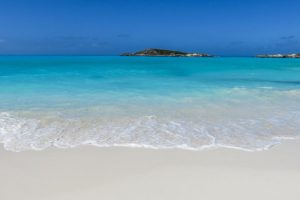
pixel 164 52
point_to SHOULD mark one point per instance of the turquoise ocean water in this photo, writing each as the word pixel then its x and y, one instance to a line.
pixel 154 102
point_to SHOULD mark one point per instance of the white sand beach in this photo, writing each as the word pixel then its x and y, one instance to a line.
pixel 135 174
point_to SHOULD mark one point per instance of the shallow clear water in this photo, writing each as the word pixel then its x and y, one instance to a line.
pixel 191 103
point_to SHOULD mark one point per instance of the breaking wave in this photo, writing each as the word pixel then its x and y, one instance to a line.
pixel 36 133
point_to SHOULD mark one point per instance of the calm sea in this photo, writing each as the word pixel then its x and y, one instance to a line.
pixel 189 103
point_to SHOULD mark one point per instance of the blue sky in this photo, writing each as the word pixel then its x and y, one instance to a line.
pixel 110 27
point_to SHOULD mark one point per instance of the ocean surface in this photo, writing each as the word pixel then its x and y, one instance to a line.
pixel 249 104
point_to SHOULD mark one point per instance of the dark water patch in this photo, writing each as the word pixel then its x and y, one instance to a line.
pixel 263 81
pixel 96 77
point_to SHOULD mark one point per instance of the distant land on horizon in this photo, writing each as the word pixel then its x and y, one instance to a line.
pixel 156 52
pixel 293 55
pixel 165 52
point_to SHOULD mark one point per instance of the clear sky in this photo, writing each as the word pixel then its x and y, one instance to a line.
pixel 110 27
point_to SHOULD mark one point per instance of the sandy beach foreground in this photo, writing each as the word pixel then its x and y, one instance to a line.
pixel 135 174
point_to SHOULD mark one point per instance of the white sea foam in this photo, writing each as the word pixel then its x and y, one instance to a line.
pixel 19 133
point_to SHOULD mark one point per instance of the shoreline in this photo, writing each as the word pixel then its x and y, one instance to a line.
pixel 209 147
pixel 131 173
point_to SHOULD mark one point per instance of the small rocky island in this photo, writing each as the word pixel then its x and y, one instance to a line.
pixel 164 52
pixel 294 55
